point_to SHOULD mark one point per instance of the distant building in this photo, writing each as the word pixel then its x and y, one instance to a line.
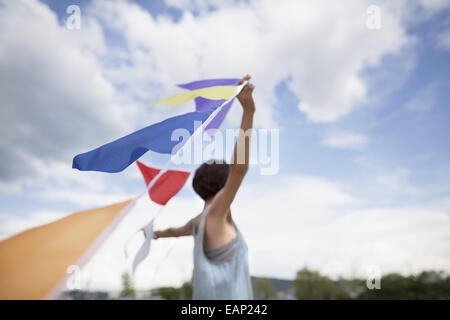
pixel 104 295
pixel 84 295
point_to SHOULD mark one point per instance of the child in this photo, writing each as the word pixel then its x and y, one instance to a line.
pixel 220 252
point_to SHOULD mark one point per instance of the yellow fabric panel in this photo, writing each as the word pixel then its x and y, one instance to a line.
pixel 213 93
pixel 34 261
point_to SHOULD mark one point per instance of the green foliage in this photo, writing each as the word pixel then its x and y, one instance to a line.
pixel 186 291
pixel 428 285
pixel 127 286
pixel 311 285
pixel 263 289
pixel 169 293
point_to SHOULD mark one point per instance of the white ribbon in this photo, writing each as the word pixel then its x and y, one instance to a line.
pixel 145 247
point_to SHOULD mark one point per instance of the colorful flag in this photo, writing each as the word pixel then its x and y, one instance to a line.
pixel 214 92
pixel 119 154
pixel 202 104
pixel 167 185
pixel 34 263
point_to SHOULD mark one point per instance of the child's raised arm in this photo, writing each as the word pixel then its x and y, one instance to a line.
pixel 240 159
pixel 185 230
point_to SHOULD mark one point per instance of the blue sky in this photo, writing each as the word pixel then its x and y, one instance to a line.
pixel 362 116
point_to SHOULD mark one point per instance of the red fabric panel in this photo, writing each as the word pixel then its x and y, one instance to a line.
pixel 166 186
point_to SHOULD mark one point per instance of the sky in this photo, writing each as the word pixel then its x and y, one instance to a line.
pixel 362 115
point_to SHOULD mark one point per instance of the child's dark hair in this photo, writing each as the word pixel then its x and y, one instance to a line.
pixel 209 178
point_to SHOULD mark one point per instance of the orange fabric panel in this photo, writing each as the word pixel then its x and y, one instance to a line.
pixel 34 261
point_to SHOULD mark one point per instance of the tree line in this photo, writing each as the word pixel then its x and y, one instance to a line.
pixel 312 285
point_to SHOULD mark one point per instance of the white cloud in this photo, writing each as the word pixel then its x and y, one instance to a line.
pixel 435 5
pixel 55 99
pixel 81 197
pixel 298 224
pixel 425 99
pixel 60 87
pixel 201 6
pixel 398 183
pixel 429 10
pixel 11 224
pixel 345 140
pixel 395 179
pixel 444 39
pixel 320 46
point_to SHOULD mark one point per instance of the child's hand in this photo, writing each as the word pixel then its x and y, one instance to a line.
pixel 245 97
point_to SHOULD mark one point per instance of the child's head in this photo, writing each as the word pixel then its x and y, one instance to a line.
pixel 209 178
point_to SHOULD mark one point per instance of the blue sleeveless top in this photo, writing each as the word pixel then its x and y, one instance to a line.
pixel 220 280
